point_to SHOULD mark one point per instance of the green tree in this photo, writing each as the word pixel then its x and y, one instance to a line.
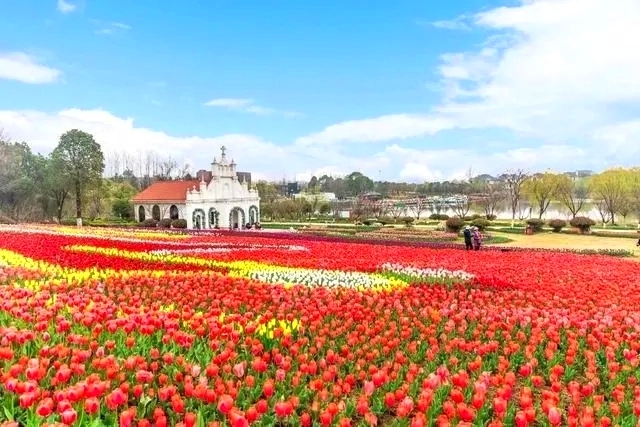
pixel 540 189
pixel 612 187
pixel 82 160
pixel 56 186
pixel 122 208
pixel 17 184
pixel 324 208
pixel 268 191
pixel 357 183
pixel 313 186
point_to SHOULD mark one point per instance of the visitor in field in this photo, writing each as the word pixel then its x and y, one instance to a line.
pixel 468 244
pixel 476 237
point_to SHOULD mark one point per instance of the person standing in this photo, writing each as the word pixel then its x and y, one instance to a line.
pixel 476 237
pixel 467 238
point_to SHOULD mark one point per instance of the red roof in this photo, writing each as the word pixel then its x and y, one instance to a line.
pixel 166 191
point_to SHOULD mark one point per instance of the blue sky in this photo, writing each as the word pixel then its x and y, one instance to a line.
pixel 400 90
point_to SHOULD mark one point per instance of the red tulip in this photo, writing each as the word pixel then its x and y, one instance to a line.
pixel 69 416
pixel 225 403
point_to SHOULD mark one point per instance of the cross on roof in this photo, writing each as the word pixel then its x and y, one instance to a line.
pixel 223 149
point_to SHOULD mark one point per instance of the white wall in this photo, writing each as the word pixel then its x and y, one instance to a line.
pixel 224 209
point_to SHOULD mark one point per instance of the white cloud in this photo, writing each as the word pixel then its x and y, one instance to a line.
pixel 65 6
pixel 248 106
pixel 25 68
pixel 267 159
pixel 110 28
pixel 459 23
pixel 385 128
pixel 551 67
pixel 121 135
pixel 554 70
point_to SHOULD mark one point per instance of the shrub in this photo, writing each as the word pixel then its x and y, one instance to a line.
pixel 491 217
pixel 536 224
pixel 472 217
pixel 408 220
pixel 367 222
pixel 557 224
pixel 582 223
pixel 149 223
pixel 386 220
pixel 454 224
pixel 179 223
pixel 481 223
pixel 164 223
pixel 439 217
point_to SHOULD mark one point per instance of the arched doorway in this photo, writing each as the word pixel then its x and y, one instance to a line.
pixel 173 212
pixel 155 212
pixel 253 214
pixel 198 219
pixel 214 218
pixel 141 214
pixel 236 218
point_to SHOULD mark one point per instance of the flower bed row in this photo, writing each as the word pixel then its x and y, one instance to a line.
pixel 514 339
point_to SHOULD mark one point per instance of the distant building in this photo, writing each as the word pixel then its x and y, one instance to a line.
pixel 219 198
pixel 325 197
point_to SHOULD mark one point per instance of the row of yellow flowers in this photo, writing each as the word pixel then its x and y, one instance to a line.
pixel 56 275
pixel 107 232
pixel 261 272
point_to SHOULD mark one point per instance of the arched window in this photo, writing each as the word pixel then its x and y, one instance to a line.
pixel 173 212
pixel 155 212
pixel 141 215
pixel 214 218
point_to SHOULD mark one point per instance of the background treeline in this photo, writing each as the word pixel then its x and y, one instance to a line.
pixel 78 180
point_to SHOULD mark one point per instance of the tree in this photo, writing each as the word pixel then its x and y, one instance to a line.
pixel 395 209
pixel 461 206
pixel 313 187
pixel 491 199
pixel 56 185
pixel 541 189
pixel 17 185
pixel 572 193
pixel 82 161
pixel 324 208
pixel 513 182
pixel 418 205
pixel 268 191
pixel 603 210
pixel 612 187
pixel 123 209
pixel 625 207
pixel 357 183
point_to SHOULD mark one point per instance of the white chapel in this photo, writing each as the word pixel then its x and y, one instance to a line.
pixel 220 198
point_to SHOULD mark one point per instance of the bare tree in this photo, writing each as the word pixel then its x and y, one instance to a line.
pixel 513 182
pixel 395 209
pixel 604 211
pixel 165 168
pixel 418 205
pixel 491 200
pixel 113 164
pixel 462 206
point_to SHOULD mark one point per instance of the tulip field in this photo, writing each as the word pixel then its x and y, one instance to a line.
pixel 108 327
